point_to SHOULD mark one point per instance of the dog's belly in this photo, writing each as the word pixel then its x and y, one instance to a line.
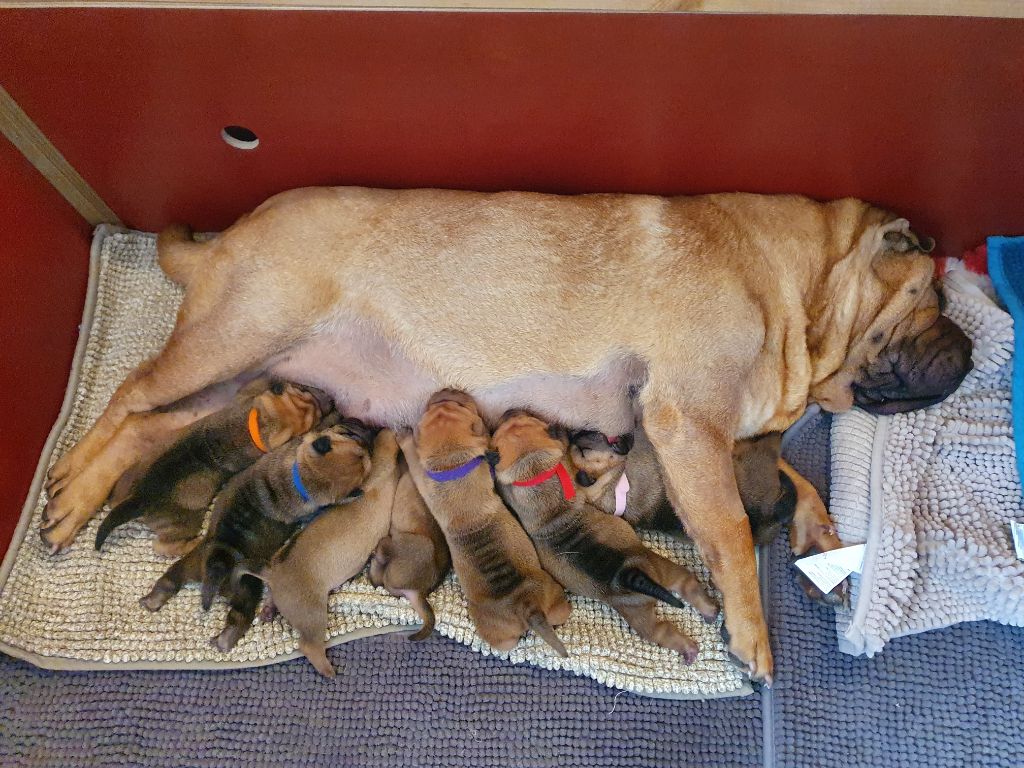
pixel 372 380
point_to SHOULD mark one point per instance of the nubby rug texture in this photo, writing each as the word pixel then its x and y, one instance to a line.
pixel 932 493
pixel 80 610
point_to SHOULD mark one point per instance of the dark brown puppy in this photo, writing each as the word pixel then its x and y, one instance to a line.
pixel 767 493
pixel 330 551
pixel 174 492
pixel 588 551
pixel 773 494
pixel 413 559
pixel 258 511
pixel 507 590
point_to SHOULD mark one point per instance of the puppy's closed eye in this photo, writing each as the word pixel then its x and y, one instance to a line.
pixel 322 445
pixel 355 494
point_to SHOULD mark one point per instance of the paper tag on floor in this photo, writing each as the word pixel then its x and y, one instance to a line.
pixel 829 568
pixel 1017 531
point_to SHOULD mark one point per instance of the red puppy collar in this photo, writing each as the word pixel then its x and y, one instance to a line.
pixel 568 489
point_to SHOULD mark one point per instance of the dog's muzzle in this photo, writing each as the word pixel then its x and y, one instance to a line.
pixel 915 372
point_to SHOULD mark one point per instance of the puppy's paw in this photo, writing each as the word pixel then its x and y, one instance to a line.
pixel 268 612
pixel 748 643
pixel 175 547
pixel 155 600
pixel 228 638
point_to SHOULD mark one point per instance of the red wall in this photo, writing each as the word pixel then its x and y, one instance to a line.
pixel 924 115
pixel 44 267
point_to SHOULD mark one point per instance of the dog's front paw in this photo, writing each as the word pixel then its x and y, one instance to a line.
pixel 59 535
pixel 748 643
pixel 840 594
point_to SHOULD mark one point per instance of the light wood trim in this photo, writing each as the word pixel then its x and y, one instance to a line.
pixel 1010 9
pixel 33 144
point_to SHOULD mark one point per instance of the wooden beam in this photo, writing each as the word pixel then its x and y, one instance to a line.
pixel 1011 9
pixel 33 144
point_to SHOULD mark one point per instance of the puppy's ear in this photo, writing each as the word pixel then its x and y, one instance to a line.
pixel 478 427
pixel 322 445
pixel 558 432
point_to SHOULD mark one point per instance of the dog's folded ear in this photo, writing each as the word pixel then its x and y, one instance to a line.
pixel 902 242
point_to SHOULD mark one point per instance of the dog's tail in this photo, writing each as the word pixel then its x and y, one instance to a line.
pixel 179 255
pixel 129 509
pixel 636 580
pixel 539 623
pixel 422 607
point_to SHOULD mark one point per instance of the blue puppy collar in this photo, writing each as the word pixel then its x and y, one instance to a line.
pixel 297 482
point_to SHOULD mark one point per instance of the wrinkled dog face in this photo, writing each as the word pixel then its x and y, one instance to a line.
pixel 924 357
pixel 909 355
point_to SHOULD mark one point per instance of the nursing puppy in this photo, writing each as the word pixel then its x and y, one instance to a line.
pixel 258 511
pixel 507 590
pixel 773 493
pixel 586 550
pixel 331 550
pixel 600 464
pixel 173 493
pixel 413 559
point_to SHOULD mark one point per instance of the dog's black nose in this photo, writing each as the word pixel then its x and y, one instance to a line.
pixel 582 478
pixel 322 445
pixel 277 388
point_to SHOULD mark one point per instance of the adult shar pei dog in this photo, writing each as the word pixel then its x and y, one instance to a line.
pixel 712 318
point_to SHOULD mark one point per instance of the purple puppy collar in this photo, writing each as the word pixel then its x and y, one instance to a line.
pixel 456 473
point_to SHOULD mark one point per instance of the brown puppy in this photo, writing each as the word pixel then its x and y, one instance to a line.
pixel 413 559
pixel 767 493
pixel 174 492
pixel 330 551
pixel 507 590
pixel 258 511
pixel 731 313
pixel 587 551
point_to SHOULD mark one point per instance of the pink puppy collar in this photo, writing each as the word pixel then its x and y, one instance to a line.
pixel 621 491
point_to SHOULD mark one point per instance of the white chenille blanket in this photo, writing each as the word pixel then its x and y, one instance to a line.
pixel 932 493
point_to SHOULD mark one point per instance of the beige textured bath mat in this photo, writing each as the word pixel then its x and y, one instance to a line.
pixel 79 610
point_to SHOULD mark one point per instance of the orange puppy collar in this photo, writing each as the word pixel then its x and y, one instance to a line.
pixel 254 431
